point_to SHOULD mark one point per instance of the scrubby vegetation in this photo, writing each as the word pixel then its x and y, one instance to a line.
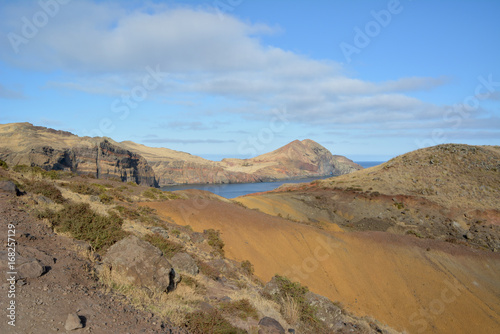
pixel 215 241
pixel 35 171
pixel 87 218
pixel 156 194
pixel 44 188
pixel 3 165
pixel 292 296
pixel 79 220
pixel 169 248
pixel 211 322
pixel 247 267
pixel 85 188
pixel 242 309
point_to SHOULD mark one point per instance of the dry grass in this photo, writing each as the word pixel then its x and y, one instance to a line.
pixel 173 306
pixel 178 303
pixel 97 207
pixel 290 309
pixel 264 307
pixel 446 174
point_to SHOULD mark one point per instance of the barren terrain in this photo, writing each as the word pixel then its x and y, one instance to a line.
pixel 383 275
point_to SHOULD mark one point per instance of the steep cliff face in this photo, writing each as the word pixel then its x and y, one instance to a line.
pixel 196 173
pixel 297 159
pixel 25 144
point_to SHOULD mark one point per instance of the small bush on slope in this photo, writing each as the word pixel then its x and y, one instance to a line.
pixel 169 248
pixel 4 165
pixel 215 241
pixel 242 309
pixel 83 223
pixel 295 292
pixel 211 322
pixel 46 189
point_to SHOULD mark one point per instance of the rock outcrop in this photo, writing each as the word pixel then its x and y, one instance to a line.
pixel 25 144
pixel 269 325
pixel 133 261
pixel 184 262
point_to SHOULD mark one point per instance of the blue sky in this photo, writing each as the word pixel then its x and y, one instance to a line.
pixel 235 78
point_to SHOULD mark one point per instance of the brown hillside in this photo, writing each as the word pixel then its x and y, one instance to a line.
pixel 449 192
pixel 383 275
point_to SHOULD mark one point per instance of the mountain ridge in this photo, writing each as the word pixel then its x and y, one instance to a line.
pixel 25 143
pixel 298 159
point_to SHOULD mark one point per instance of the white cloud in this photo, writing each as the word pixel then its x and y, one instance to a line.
pixel 104 49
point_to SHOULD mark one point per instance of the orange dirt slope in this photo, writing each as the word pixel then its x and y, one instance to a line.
pixel 421 286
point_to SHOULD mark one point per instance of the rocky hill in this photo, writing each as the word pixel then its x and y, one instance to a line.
pixel 25 144
pixel 449 192
pixel 298 159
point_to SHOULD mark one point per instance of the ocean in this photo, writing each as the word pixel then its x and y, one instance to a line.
pixel 233 190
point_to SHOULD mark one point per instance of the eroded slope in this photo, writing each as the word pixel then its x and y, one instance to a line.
pixel 386 276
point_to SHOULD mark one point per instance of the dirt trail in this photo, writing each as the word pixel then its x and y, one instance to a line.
pixel 422 286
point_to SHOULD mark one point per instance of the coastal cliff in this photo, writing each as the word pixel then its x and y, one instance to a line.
pixel 25 144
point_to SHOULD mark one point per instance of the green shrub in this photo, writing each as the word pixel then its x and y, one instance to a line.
pixel 119 195
pixel 399 206
pixel 126 212
pixel 83 223
pixel 46 174
pixel 169 248
pixel 211 322
pixel 414 233
pixel 85 188
pixel 242 309
pixel 26 169
pixel 215 241
pixel 122 188
pixel 4 165
pixel 106 199
pixel 157 194
pixel 153 193
pixel 247 267
pixel 46 189
pixel 296 291
pixel 53 174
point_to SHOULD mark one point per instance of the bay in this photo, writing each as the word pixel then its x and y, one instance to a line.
pixel 233 190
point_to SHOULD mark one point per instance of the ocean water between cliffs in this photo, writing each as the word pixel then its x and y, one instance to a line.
pixel 233 190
